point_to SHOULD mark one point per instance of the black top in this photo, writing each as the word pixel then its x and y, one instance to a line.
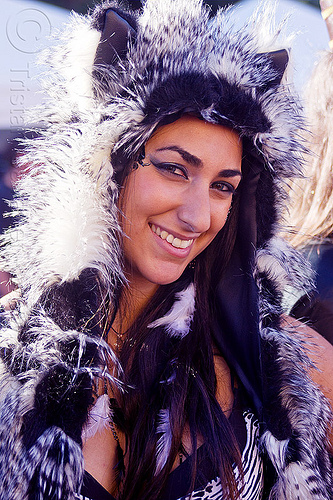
pixel 92 490
pixel 180 478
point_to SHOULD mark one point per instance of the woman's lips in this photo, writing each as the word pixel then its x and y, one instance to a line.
pixel 170 238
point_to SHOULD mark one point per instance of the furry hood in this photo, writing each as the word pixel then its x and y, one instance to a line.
pixel 114 77
pixel 102 99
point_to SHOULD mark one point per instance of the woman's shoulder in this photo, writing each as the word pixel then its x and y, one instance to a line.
pixel 320 354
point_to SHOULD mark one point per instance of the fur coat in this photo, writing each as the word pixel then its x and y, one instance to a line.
pixel 114 76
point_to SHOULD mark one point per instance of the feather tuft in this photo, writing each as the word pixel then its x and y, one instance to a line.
pixel 178 320
pixel 98 418
pixel 164 441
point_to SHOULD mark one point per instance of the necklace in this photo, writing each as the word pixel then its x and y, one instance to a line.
pixel 113 430
pixel 182 453
pixel 120 467
pixel 119 339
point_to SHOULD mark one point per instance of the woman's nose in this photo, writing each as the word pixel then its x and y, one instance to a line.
pixel 195 209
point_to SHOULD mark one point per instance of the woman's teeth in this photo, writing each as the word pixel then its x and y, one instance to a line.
pixel 175 242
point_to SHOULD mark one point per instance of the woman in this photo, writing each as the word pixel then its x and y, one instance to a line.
pixel 149 341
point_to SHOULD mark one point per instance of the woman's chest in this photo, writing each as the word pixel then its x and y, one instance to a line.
pixel 104 443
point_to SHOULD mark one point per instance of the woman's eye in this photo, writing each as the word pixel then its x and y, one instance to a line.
pixel 224 187
pixel 171 168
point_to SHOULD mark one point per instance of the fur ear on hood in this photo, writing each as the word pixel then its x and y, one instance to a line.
pixel 114 77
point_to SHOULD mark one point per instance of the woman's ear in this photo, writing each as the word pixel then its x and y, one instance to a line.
pixel 117 30
pixel 280 59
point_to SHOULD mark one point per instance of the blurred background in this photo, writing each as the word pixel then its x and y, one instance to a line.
pixel 28 25
pixel 82 5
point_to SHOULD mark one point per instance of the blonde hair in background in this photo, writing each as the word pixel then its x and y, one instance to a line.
pixel 310 216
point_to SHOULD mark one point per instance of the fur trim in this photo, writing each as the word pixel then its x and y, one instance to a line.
pixel 287 269
pixel 286 367
pixel 73 61
pixel 69 223
pixel 285 266
pixel 296 480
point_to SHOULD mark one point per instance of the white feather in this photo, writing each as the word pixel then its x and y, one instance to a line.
pixel 98 418
pixel 164 441
pixel 178 319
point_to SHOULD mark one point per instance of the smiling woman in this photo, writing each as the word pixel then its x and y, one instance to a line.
pixel 148 355
pixel 178 199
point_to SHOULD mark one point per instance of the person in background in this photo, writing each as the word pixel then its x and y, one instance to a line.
pixel 7 180
pixel 148 356
pixel 310 216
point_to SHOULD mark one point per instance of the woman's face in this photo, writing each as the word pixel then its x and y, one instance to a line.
pixel 178 200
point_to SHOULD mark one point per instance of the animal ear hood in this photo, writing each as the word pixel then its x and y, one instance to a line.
pixel 115 76
pixel 117 28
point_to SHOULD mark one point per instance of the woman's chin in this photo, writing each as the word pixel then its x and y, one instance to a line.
pixel 162 275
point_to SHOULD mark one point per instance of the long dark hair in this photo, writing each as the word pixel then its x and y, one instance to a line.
pixel 177 376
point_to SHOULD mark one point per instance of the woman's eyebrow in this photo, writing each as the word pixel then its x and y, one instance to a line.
pixel 229 172
pixel 188 157
pixel 195 161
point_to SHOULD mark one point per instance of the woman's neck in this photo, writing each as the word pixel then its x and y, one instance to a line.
pixel 133 300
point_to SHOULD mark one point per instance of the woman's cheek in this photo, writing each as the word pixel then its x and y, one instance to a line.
pixel 160 198
pixel 219 217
